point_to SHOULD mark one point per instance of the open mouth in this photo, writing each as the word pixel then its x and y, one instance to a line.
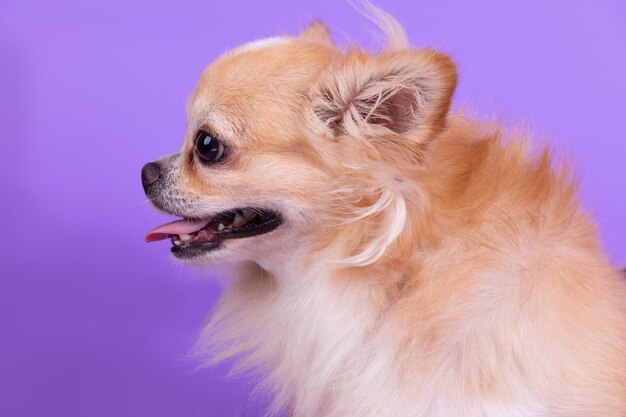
pixel 193 237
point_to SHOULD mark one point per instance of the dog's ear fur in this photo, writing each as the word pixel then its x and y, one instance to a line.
pixel 317 32
pixel 407 93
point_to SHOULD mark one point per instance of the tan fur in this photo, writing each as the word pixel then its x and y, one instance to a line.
pixel 429 264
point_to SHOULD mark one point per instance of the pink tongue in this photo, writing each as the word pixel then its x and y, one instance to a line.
pixel 175 228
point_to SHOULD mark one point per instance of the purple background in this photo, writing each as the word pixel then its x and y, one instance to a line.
pixel 96 323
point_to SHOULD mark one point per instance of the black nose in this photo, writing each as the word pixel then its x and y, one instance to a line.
pixel 150 173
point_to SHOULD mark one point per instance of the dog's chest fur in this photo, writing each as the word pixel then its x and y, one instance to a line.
pixel 326 351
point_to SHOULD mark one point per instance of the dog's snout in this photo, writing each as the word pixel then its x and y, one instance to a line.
pixel 150 173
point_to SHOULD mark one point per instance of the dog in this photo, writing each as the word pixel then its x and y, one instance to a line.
pixel 390 258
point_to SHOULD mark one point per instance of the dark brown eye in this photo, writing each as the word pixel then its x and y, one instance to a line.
pixel 208 148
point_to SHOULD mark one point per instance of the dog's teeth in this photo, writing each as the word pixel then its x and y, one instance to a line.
pixel 178 242
pixel 239 220
pixel 249 214
pixel 202 235
pixel 220 227
pixel 184 237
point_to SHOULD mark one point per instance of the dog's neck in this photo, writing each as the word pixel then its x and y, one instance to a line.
pixel 302 323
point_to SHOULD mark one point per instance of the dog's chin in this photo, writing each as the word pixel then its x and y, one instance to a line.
pixel 197 251
pixel 207 255
pixel 209 239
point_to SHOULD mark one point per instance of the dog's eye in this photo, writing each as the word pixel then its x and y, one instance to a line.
pixel 208 148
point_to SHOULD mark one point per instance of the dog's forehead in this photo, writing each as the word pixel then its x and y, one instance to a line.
pixel 270 72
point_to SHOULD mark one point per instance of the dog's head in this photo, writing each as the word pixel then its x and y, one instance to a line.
pixel 288 138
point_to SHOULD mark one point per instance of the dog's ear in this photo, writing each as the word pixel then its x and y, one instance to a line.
pixel 407 93
pixel 317 32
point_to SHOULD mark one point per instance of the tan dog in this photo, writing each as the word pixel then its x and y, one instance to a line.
pixel 395 259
